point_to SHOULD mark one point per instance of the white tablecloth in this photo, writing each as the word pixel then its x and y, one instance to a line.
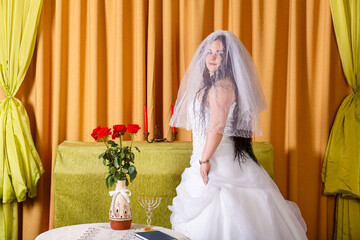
pixel 100 231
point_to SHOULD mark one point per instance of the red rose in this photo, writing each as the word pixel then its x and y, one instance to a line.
pixel 115 135
pixel 103 132
pixel 94 134
pixel 133 128
pixel 120 128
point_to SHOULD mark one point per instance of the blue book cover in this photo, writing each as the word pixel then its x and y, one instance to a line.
pixel 154 235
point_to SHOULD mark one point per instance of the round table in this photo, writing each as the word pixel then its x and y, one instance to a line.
pixel 100 231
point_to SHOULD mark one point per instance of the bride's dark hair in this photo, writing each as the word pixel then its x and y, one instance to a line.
pixel 242 145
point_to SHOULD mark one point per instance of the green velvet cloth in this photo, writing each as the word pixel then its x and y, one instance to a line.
pixel 81 195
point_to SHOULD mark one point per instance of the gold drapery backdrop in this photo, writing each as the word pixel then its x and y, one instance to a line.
pixel 99 62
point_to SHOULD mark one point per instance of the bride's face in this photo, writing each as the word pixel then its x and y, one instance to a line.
pixel 214 56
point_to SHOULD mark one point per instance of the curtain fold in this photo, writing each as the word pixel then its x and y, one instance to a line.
pixel 20 163
pixel 9 220
pixel 99 62
pixel 341 167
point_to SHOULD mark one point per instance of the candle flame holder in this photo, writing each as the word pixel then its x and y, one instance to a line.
pixel 157 135
pixel 160 139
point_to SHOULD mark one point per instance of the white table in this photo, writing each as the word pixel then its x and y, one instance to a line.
pixel 100 231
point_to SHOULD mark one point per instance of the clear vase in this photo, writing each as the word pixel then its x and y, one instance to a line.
pixel 120 211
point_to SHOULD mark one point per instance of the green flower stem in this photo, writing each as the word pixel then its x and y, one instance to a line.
pixel 132 138
pixel 120 135
pixel 107 147
pixel 103 138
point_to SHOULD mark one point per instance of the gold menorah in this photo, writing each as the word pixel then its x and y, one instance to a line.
pixel 149 204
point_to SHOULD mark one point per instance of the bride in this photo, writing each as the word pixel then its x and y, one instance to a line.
pixel 226 194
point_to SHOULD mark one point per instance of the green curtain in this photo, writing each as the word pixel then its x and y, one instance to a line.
pixel 20 163
pixel 341 166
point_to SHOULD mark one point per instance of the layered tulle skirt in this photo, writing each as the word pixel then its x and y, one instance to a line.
pixel 239 202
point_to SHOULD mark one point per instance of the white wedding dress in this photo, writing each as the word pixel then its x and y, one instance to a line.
pixel 239 201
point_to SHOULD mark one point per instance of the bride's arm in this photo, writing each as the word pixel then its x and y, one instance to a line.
pixel 212 142
pixel 220 98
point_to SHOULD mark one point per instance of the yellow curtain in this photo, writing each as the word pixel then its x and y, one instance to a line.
pixel 20 163
pixel 340 173
pixel 99 62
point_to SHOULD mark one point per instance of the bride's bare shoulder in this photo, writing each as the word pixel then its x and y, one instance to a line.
pixel 225 83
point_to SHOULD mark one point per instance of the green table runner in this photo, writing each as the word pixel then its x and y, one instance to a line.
pixel 79 186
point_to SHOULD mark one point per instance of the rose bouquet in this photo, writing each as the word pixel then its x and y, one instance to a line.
pixel 119 159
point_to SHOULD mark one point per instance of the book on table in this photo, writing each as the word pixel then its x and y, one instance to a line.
pixel 154 235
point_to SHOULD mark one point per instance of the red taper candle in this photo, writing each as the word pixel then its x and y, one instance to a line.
pixel 146 120
pixel 172 112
